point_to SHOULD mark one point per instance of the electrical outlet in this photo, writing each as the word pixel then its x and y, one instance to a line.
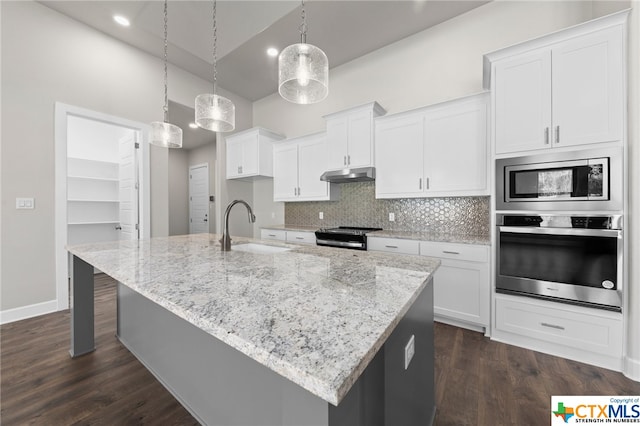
pixel 409 351
pixel 321 215
pixel 392 217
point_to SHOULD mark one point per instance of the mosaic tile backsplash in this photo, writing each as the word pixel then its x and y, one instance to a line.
pixel 358 207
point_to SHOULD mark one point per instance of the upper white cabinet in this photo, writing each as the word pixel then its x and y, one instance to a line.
pixel 350 136
pixel 250 153
pixel 563 90
pixel 435 151
pixel 298 164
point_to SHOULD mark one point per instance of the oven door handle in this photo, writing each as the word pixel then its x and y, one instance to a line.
pixel 562 231
pixel 339 243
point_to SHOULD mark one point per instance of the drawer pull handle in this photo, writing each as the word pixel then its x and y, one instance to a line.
pixel 553 289
pixel 272 235
pixel 299 238
pixel 450 252
pixel 391 246
pixel 557 327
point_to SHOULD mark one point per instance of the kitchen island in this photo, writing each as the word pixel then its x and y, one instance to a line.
pixel 270 333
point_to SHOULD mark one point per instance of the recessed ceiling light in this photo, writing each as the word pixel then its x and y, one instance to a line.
pixel 121 20
pixel 272 51
pixel 193 125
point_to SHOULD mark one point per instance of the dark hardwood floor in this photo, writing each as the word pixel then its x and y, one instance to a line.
pixel 478 382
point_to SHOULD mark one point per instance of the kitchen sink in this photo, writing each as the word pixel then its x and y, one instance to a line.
pixel 258 248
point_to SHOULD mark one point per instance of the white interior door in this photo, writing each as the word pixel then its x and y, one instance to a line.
pixel 128 188
pixel 199 199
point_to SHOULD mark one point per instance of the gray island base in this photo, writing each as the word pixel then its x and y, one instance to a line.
pixel 332 365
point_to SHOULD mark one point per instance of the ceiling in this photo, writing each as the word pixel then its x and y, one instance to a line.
pixel 344 29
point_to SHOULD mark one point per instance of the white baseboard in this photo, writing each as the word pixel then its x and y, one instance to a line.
pixel 632 368
pixel 24 312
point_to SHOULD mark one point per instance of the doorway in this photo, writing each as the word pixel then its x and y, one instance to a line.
pixel 102 183
pixel 199 199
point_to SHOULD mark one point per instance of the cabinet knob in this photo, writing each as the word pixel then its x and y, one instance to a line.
pixel 344 160
pixel 118 228
pixel 557 134
pixel 420 183
pixel 348 160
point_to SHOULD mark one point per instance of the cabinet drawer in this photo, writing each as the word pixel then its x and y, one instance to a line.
pixel 393 245
pixel 468 252
pixel 301 237
pixel 579 328
pixel 273 234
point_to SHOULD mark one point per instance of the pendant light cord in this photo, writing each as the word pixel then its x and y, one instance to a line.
pixel 166 96
pixel 303 26
pixel 215 48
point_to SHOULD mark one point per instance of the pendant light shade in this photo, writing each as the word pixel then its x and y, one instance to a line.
pixel 303 70
pixel 215 112
pixel 166 135
pixel 303 74
pixel 163 133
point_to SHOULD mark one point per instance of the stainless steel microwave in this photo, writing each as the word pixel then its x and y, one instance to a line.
pixel 577 180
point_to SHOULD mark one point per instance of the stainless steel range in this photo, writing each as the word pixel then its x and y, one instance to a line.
pixel 349 237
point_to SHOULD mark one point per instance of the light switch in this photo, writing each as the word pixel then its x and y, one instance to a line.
pixel 25 203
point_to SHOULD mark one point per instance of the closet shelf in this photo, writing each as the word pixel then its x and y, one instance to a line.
pixel 76 200
pixel 108 222
pixel 106 179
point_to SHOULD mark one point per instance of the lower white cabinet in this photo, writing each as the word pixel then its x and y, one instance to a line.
pixel 297 237
pixel 583 334
pixel 301 237
pixel 393 245
pixel 273 234
pixel 461 290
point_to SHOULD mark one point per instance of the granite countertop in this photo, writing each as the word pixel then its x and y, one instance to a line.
pixel 434 237
pixel 407 235
pixel 315 315
pixel 298 228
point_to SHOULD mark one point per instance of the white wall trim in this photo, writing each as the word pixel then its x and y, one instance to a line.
pixel 62 112
pixel 631 368
pixel 24 312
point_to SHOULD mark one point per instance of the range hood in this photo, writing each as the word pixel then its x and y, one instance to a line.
pixel 361 174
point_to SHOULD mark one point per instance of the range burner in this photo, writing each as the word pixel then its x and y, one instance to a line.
pixel 351 237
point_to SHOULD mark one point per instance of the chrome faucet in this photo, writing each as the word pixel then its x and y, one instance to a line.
pixel 225 241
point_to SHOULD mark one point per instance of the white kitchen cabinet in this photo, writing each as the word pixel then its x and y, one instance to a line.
pixel 250 153
pixel 435 151
pixel 298 164
pixel 350 136
pixel 461 284
pixel 393 245
pixel 301 237
pixel 565 94
pixel 273 234
pixel 584 334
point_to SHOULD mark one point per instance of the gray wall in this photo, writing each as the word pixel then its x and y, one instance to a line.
pixel 178 192
pixel 47 57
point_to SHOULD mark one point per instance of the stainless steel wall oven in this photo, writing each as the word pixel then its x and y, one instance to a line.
pixel 573 259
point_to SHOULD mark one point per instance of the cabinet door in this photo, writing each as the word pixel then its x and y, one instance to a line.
pixel 250 154
pixel 360 141
pixel 523 102
pixel 312 162
pixel 588 89
pixel 456 149
pixel 234 158
pixel 399 147
pixel 461 291
pixel 337 134
pixel 285 172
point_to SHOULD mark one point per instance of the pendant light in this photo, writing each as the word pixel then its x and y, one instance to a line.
pixel 215 112
pixel 164 133
pixel 303 70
